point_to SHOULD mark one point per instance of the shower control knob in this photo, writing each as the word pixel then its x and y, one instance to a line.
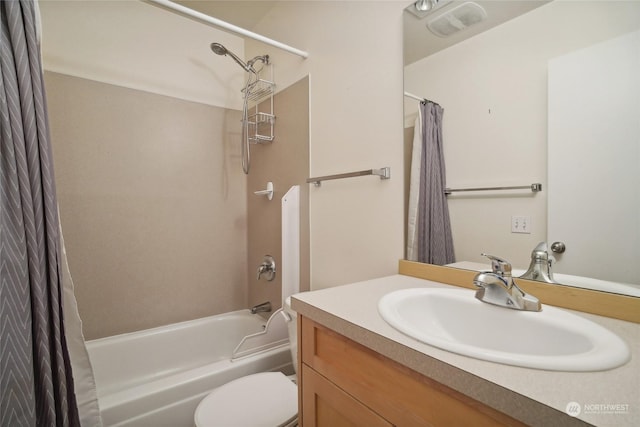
pixel 268 267
pixel 558 247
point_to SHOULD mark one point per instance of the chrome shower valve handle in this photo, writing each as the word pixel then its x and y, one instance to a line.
pixel 268 267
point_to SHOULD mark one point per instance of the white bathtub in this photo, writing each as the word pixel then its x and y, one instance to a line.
pixel 158 376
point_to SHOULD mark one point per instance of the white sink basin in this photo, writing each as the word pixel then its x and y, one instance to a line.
pixel 454 320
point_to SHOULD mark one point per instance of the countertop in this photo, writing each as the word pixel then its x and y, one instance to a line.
pixel 536 397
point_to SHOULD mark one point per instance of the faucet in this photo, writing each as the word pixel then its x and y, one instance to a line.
pixel 265 307
pixel 267 267
pixel 540 267
pixel 498 288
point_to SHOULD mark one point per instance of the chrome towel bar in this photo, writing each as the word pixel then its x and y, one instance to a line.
pixel 533 187
pixel 383 173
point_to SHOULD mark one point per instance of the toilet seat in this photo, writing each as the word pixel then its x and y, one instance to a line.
pixel 268 399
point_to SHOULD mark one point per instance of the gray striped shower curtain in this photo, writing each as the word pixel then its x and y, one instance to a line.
pixel 430 239
pixel 36 385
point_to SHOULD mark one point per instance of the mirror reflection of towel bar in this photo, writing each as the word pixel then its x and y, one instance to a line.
pixel 383 173
pixel 536 187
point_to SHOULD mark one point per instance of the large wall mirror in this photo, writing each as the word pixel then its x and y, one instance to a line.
pixel 536 92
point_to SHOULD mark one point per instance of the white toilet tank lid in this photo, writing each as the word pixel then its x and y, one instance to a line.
pixel 266 399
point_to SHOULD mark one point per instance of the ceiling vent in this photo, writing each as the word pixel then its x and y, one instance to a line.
pixel 456 19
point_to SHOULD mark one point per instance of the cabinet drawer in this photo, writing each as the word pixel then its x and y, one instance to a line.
pixel 400 395
pixel 324 404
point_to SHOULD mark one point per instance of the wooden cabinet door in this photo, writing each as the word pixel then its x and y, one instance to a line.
pixel 397 394
pixel 326 405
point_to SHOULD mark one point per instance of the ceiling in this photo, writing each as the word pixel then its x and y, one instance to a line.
pixel 242 13
pixel 419 41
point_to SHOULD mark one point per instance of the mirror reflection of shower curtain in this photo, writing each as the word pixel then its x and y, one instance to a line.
pixel 429 237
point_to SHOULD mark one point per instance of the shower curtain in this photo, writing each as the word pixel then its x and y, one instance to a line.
pixel 36 382
pixel 429 236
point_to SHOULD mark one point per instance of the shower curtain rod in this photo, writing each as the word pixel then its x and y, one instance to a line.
pixel 190 13
pixel 419 98
pixel 416 97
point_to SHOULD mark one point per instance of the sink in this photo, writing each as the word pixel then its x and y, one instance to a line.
pixel 552 339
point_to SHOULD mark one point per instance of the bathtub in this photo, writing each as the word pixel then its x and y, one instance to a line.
pixel 158 376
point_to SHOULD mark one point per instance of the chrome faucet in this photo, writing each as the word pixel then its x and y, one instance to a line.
pixel 265 307
pixel 498 288
pixel 541 263
pixel 267 267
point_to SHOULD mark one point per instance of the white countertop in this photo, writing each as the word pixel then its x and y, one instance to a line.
pixel 536 397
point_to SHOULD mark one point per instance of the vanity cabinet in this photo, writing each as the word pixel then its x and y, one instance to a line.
pixel 343 383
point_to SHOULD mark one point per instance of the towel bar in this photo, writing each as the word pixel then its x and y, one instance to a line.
pixel 533 187
pixel 383 173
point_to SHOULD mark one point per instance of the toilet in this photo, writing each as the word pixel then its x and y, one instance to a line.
pixel 266 399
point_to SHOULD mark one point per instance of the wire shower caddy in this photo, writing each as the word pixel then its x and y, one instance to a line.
pixel 260 124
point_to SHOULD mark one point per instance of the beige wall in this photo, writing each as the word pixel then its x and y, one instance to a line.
pixel 285 162
pixel 140 46
pixel 493 88
pixel 152 202
pixel 355 77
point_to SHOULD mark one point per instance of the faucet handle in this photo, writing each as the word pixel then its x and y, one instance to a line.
pixel 268 266
pixel 498 265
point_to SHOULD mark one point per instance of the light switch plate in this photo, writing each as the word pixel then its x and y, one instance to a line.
pixel 521 224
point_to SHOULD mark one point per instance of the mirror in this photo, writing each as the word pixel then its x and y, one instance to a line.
pixel 493 81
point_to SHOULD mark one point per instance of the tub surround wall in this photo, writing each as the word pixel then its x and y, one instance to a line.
pixel 285 162
pixel 152 202
pixel 152 195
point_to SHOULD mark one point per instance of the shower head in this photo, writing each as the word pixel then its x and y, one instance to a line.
pixel 219 49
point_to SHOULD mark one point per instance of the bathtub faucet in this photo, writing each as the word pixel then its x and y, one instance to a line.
pixel 265 307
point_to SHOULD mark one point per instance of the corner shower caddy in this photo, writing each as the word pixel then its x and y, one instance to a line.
pixel 259 125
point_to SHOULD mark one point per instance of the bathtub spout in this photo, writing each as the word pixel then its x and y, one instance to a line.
pixel 265 307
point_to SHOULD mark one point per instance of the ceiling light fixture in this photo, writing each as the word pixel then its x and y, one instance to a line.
pixel 424 5
pixel 422 8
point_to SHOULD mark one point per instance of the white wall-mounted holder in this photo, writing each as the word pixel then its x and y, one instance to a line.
pixel 268 192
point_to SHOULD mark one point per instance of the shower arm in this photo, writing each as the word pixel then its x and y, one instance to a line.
pixel 219 49
pixel 262 58
pixel 247 67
